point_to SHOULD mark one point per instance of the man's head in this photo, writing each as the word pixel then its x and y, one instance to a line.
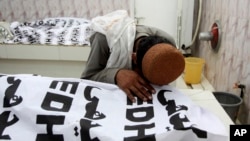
pixel 158 60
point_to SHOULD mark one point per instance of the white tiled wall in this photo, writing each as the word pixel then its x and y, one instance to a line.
pixel 26 10
pixel 231 63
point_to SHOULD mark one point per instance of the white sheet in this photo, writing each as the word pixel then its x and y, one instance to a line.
pixel 52 31
pixel 46 108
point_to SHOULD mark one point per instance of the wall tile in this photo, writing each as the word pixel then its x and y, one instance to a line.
pixel 242 9
pixel 231 63
pixel 27 10
pixel 233 7
pixel 224 7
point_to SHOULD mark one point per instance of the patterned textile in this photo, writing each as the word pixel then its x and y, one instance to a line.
pixel 52 31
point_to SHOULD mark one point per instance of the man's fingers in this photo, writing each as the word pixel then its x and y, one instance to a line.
pixel 141 92
pixel 146 85
pixel 134 85
pixel 145 92
pixel 130 95
pixel 138 93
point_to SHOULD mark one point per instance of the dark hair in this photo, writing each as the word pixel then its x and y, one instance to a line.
pixel 145 44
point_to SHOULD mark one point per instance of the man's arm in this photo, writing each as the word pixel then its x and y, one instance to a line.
pixel 128 80
pixel 96 65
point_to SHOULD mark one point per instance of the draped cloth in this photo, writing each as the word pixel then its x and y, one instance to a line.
pixel 119 30
pixel 68 109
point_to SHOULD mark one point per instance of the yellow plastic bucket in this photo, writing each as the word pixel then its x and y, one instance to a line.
pixel 193 70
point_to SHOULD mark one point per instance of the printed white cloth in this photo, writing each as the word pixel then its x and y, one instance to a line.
pixel 66 109
pixel 120 30
pixel 52 31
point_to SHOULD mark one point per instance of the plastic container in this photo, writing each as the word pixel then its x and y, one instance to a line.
pixel 193 70
pixel 230 102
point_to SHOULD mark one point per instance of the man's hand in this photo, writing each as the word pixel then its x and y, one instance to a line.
pixel 133 84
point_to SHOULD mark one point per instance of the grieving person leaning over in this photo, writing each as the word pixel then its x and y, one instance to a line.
pixel 155 60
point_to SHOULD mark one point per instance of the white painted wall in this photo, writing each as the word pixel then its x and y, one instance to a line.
pixel 172 16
